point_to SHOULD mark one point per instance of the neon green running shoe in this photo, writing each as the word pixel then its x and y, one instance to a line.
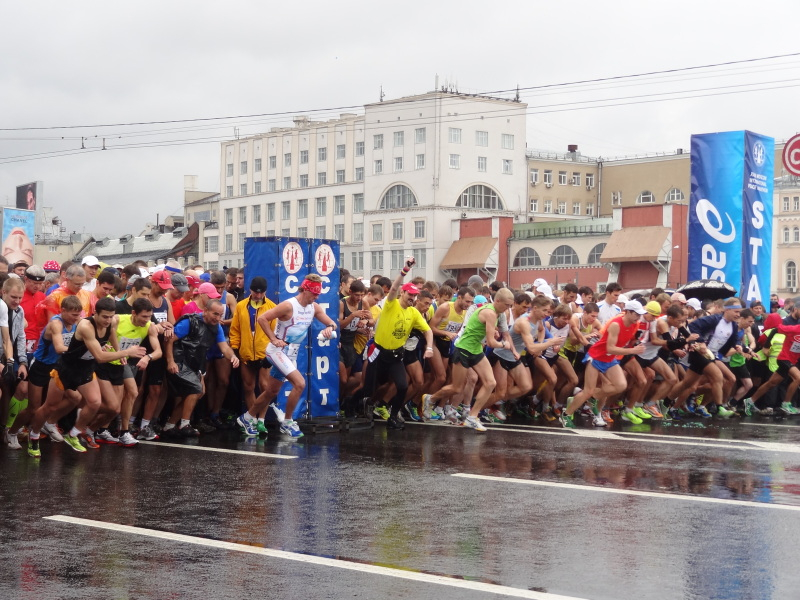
pixel 641 413
pixel 381 413
pixel 74 443
pixel 33 448
pixel 261 428
pixel 593 406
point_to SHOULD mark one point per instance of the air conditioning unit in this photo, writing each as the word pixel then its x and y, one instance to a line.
pixel 533 183
pixel 589 187
pixel 548 185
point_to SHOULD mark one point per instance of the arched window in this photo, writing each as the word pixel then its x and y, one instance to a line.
pixel 796 232
pixel 563 255
pixel 594 255
pixel 646 197
pixel 527 257
pixel 791 274
pixel 786 235
pixel 398 196
pixel 674 195
pixel 481 197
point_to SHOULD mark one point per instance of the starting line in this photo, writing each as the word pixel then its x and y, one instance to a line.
pixel 223 450
pixel 453 582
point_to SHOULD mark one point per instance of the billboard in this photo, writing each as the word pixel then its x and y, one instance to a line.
pixel 18 235
pixel 29 195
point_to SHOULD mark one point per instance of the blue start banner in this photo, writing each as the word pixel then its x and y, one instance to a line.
pixel 730 211
pixel 284 263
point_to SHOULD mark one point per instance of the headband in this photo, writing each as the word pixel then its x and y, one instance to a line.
pixel 315 287
pixel 733 307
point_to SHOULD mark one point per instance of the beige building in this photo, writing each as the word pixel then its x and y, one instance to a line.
pixel 562 186
pixel 786 236
pixel 662 179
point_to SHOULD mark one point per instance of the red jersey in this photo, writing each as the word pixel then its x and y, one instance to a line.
pixel 626 333
pixel 34 329
pixel 791 345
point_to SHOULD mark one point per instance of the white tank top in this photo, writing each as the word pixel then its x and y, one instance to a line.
pixel 295 329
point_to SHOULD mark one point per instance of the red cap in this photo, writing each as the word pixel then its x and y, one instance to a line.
pixel 193 281
pixel 51 266
pixel 410 288
pixel 163 279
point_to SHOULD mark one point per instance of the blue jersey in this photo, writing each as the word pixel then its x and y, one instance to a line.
pixel 45 351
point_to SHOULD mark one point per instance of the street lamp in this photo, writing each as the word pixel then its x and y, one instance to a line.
pixel 679 265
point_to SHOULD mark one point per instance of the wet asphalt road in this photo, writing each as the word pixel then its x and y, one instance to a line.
pixel 399 501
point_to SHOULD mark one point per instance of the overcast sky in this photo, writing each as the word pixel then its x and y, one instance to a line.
pixel 93 63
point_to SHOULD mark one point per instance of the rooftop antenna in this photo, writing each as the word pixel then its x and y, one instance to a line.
pixel 236 133
pixel 382 95
pixel 83 147
pixel 516 97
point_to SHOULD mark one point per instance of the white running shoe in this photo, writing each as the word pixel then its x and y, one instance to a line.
pixel 12 441
pixel 53 432
pixel 427 405
pixel 451 414
pixel 598 421
pixel 126 440
pixel 473 423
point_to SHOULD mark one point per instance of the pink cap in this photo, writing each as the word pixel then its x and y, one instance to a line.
pixel 209 289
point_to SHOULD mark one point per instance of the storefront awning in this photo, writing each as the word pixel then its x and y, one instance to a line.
pixel 468 253
pixel 633 244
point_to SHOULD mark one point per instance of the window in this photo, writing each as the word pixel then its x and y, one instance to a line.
pixel 590 210
pixel 229 191
pixel 399 138
pixel 376 260
pixel 257 187
pixel 454 135
pixel 322 178
pixel 242 237
pixel 271 185
pixel 211 244
pixel 322 207
pixel 534 176
pixel 527 257
pixel 479 196
pixel 594 255
pixel 303 183
pixel 590 180
pixel 319 232
pixel 563 255
pixel 420 257
pixel 507 141
pixel 616 198
pixel 338 232
pixel 228 216
pixel 270 233
pixel 378 167
pixel 576 208
pixel 482 164
pixel 377 141
pixel 576 178
pixel 340 176
pixel 287 159
pixel 359 148
pixel 796 234
pixel 548 178
pixel 796 203
pixel 786 205
pixel 212 265
pixel 791 274
pixel 302 209
pixel 420 161
pixel 419 135
pixel 338 205
pixel 302 232
pixel 257 165
pixel 481 138
pixel 377 232
pixel 674 195
pixel 534 206
pixel 398 196
pixel 257 212
pixel 358 203
pixel 455 161
pixel 322 154
pixel 419 230
pixel 303 157
pixel 359 174
pixel 358 232
pixel 340 151
pixel 398 164
pixel 646 197
pixel 242 215
pixel 786 237
pixel 243 168
pixel 286 210
pixel 285 232
pixel 397 231
pixel 548 206
pixel 273 162
pixel 397 260
pixel 358 261
pixel 562 178
pixel 287 183
pixel 243 189
pixel 228 242
pixel 270 212
pixel 562 207
pixel 229 170
pixel 508 166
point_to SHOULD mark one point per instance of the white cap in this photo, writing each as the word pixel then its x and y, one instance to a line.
pixel 90 261
pixel 546 290
pixel 144 273
pixel 694 303
pixel 635 307
pixel 538 282
pixel 622 298
pixel 579 300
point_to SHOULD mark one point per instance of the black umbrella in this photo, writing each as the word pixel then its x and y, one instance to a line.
pixel 707 289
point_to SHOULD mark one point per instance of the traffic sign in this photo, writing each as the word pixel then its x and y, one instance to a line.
pixel 791 155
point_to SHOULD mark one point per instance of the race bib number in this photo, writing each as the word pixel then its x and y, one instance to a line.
pixel 795 346
pixel 125 343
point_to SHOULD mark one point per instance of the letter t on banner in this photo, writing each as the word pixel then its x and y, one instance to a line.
pixel 757 222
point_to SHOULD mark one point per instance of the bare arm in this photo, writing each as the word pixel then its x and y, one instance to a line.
pixel 85 333
pixel 611 342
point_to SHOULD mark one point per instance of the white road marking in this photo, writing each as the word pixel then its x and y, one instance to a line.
pixel 608 490
pixel 772 425
pixel 223 450
pixel 454 582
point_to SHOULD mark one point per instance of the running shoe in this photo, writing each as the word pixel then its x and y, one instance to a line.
pixel 437 414
pixel 206 427
pixel 598 421
pixel 586 411
pixel 104 437
pixel 463 410
pixel 664 410
pixel 786 408
pixel 767 412
pixel 393 423
pixel 33 449
pixel 246 425
pixel 593 406
pixel 550 414
pixel 490 417
pixel 557 409
pixel 749 407
pixel 499 412
pixel 292 429
pixel 53 431
pixel 475 424
pixel 378 411
pixel 413 413
pixel 724 412
pixel 74 443
pixel 261 427
pixel 12 441
pixel 126 440
pixel 676 414
pixel 524 411
pixel 451 414
pixel 606 414
pixel 217 423
pixel 88 440
pixel 280 416
pixel 145 433
pixel 641 413
pixel 631 417
pixel 427 405
pixel 794 410
pixel 567 421
pixel 652 410
pixel 187 431
pixel 702 412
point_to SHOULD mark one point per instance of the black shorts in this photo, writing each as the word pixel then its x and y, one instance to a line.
pixel 72 379
pixel 783 368
pixel 39 373
pixel 156 371
pixel 444 345
pixel 467 359
pixel 698 362
pixel 411 357
pixel 760 369
pixel 741 372
pixel 112 373
pixel 185 382
pixel 508 365
pixel 551 360
pixel 645 362
pixel 347 355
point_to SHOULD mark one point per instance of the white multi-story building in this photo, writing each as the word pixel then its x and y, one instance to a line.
pixel 392 182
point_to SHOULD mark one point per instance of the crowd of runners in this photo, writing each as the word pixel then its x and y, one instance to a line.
pixel 129 353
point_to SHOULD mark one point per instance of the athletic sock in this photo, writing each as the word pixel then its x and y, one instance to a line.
pixel 145 423
pixel 260 420
pixel 168 426
pixel 74 432
pixel 184 423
